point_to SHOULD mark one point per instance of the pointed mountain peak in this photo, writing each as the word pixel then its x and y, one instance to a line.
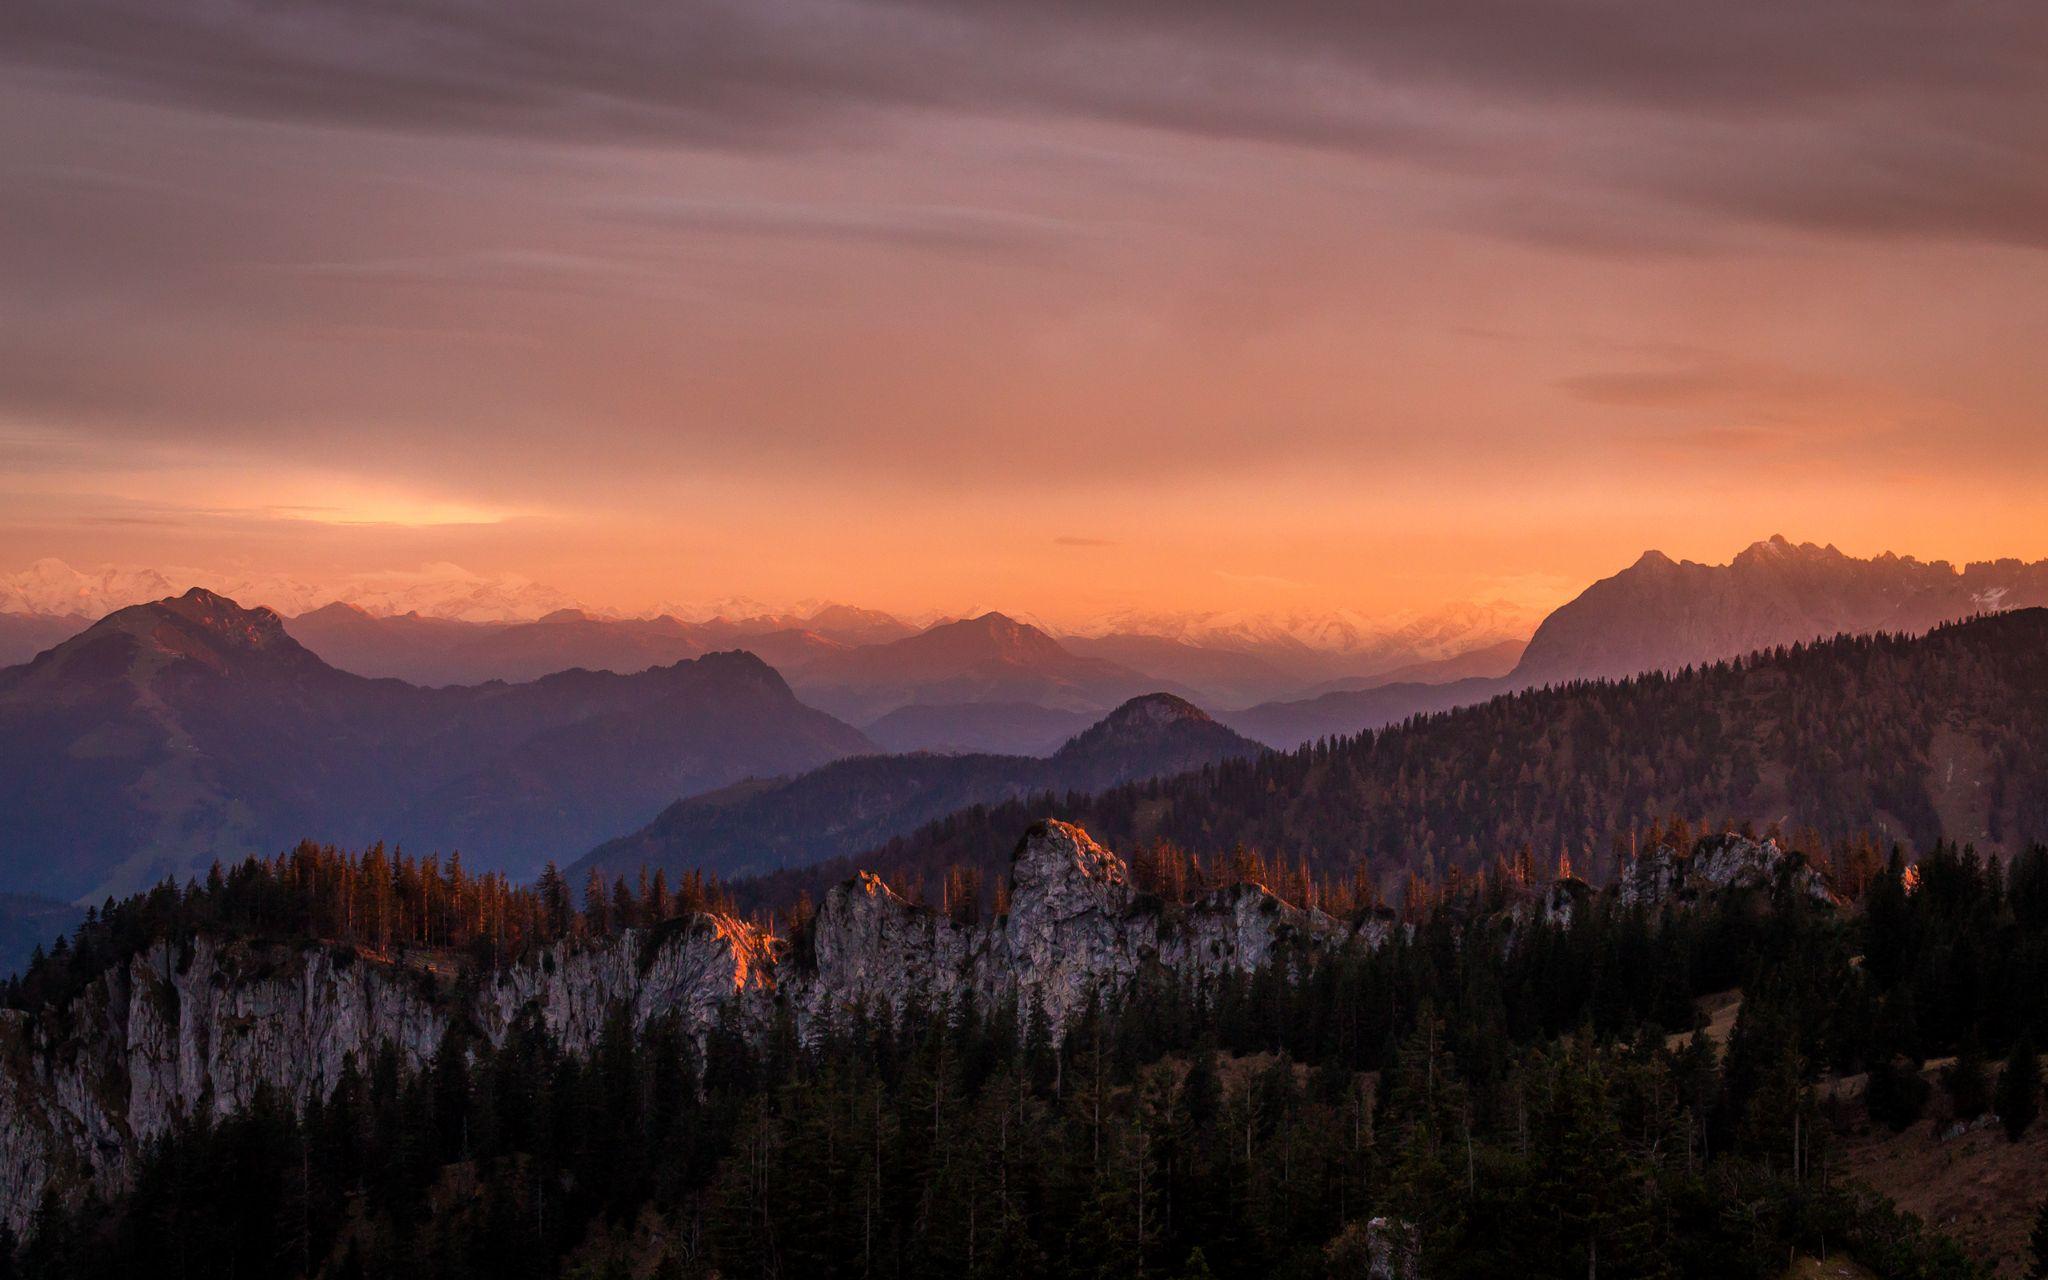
pixel 1778 549
pixel 1055 859
pixel 1654 559
pixel 256 627
pixel 1155 709
pixel 998 624
pixel 1150 735
pixel 199 627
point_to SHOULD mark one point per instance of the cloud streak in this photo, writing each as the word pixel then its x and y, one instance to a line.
pixel 1934 120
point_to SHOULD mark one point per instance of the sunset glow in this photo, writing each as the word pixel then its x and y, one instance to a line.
pixel 1437 318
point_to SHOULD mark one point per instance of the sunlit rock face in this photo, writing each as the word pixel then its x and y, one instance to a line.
pixel 1718 863
pixel 1076 927
pixel 198 1027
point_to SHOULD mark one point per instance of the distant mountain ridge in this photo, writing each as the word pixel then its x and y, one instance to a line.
pixel 1311 645
pixel 1660 614
pixel 1901 738
pixel 839 808
pixel 173 733
pixel 53 588
pixel 991 658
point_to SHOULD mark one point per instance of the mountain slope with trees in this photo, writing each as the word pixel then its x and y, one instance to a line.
pixel 1872 738
pixel 171 734
pixel 1497 1093
pixel 853 804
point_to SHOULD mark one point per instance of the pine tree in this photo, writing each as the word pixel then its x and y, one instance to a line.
pixel 1969 1089
pixel 2039 1271
pixel 2018 1096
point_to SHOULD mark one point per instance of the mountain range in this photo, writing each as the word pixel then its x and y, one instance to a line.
pixel 1890 738
pixel 52 587
pixel 849 805
pixel 171 734
pixel 1660 615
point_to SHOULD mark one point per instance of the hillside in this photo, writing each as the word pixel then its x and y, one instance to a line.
pixel 171 734
pixel 999 728
pixel 189 1076
pixel 1904 738
pixel 24 635
pixel 850 805
pixel 1662 615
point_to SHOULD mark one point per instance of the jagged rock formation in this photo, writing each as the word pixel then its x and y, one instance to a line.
pixel 1721 862
pixel 1660 614
pixel 1663 876
pixel 198 1027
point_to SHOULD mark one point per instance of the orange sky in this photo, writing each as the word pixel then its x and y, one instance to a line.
pixel 926 308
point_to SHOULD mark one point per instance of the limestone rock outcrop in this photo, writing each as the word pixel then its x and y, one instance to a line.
pixel 1719 863
pixel 198 1026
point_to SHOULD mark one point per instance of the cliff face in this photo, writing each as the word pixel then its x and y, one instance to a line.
pixel 196 1028
pixel 1718 864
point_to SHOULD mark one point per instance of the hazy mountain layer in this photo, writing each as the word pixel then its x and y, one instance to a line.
pixel 840 808
pixel 171 734
pixel 1909 739
pixel 1660 614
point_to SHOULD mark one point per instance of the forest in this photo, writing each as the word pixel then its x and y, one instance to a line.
pixel 1851 738
pixel 1504 1094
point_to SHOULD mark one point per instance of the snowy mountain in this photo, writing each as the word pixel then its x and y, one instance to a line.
pixel 50 587
pixel 1328 643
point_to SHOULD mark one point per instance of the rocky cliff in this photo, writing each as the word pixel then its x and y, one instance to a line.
pixel 198 1027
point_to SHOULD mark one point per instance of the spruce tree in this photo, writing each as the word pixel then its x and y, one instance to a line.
pixel 2018 1095
pixel 2039 1271
pixel 1969 1089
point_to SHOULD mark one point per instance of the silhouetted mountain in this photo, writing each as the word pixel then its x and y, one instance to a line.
pixel 1146 738
pixel 1905 738
pixel 1224 676
pixel 848 805
pixel 1332 715
pixel 437 651
pixel 24 635
pixel 570 638
pixel 1487 663
pixel 1004 728
pixel 407 646
pixel 1316 645
pixel 170 734
pixel 1372 702
pixel 991 658
pixel 1660 614
pixel 28 922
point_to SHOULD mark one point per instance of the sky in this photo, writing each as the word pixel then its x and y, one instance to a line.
pixel 1063 307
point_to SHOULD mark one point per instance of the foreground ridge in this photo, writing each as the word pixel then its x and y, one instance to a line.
pixel 199 1027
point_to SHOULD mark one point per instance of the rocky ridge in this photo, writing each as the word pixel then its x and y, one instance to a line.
pixel 198 1027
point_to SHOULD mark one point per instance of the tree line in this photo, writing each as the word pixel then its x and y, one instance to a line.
pixel 1852 740
pixel 1521 1095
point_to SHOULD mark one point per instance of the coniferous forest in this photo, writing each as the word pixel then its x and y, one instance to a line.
pixel 1503 1093
pixel 1856 739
